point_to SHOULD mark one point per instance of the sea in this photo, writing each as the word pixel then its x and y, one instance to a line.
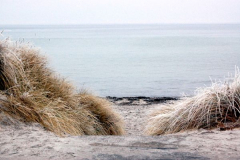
pixel 153 60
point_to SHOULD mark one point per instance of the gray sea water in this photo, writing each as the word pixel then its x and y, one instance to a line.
pixel 137 60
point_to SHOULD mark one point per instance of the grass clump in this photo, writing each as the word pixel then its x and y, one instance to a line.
pixel 104 114
pixel 217 106
pixel 32 92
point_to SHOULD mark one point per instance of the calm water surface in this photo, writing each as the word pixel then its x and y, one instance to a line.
pixel 137 60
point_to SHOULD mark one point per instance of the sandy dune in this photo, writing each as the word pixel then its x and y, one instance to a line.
pixel 31 141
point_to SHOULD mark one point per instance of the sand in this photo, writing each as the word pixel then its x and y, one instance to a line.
pixel 31 141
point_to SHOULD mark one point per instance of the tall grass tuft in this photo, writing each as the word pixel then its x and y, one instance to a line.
pixel 217 106
pixel 32 92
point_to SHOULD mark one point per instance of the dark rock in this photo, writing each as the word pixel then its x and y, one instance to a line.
pixel 136 100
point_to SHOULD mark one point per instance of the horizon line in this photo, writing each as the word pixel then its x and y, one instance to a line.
pixel 58 24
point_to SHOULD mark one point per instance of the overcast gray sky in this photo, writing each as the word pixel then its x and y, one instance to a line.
pixel 118 11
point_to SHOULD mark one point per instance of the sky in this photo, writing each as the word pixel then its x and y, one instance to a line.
pixel 118 11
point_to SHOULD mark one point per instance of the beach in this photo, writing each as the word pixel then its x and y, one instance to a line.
pixel 120 80
pixel 74 123
pixel 31 141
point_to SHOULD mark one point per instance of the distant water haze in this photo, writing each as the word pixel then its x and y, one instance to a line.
pixel 137 60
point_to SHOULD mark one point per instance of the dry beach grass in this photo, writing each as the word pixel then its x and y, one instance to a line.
pixel 217 106
pixel 31 92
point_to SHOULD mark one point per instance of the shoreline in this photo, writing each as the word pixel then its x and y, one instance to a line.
pixel 140 100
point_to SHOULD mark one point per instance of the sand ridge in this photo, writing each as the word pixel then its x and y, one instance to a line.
pixel 31 141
